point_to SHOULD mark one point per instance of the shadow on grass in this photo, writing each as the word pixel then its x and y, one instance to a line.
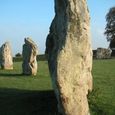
pixel 10 74
pixel 24 102
pixel 94 105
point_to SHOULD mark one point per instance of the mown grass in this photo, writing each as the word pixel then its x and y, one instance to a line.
pixel 102 99
pixel 33 95
pixel 15 79
pixel 26 95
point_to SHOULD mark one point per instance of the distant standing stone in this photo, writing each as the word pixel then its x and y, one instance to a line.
pixel 30 51
pixel 6 60
pixel 69 53
pixel 103 53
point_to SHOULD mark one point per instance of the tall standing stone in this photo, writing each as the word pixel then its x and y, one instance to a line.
pixel 6 60
pixel 29 53
pixel 68 49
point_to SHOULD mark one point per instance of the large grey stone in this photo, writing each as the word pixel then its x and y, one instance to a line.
pixel 68 49
pixel 30 51
pixel 6 60
pixel 103 53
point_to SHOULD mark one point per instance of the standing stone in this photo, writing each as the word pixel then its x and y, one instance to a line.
pixel 6 56
pixel 68 49
pixel 29 53
pixel 103 53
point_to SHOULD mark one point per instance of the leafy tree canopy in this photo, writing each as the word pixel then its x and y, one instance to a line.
pixel 110 26
pixel 18 55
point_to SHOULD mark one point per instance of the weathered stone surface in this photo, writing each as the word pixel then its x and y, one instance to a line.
pixel 69 54
pixel 103 53
pixel 6 60
pixel 30 51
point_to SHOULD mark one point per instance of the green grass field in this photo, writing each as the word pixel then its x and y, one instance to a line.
pixel 33 95
pixel 102 99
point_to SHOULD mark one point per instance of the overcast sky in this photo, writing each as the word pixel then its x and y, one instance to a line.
pixel 32 18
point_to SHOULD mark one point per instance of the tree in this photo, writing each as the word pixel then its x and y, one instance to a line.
pixel 18 55
pixel 110 26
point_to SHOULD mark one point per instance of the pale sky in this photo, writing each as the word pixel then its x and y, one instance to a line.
pixel 32 18
pixel 98 10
